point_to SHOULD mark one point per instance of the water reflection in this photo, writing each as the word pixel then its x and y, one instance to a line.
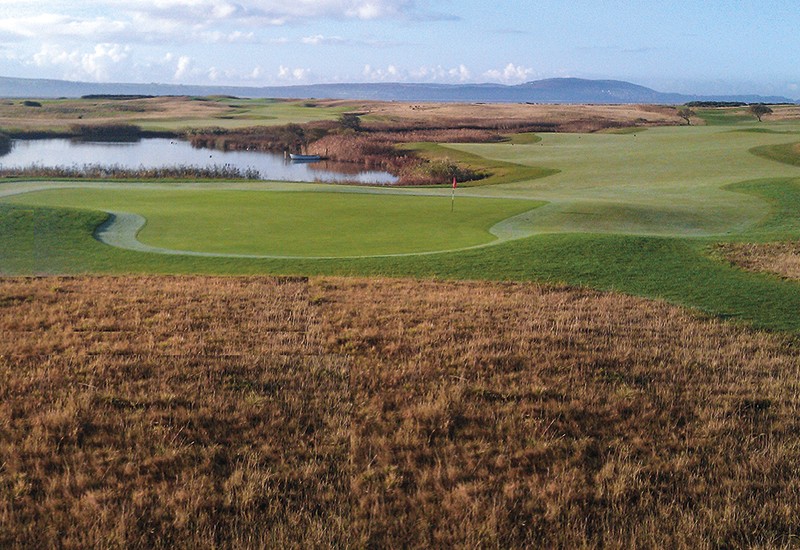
pixel 162 153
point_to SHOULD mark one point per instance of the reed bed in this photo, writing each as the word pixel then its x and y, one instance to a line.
pixel 102 171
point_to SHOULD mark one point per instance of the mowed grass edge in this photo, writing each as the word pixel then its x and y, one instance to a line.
pixel 304 224
pixel 39 240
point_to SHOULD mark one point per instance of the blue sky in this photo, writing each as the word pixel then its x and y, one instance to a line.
pixel 691 46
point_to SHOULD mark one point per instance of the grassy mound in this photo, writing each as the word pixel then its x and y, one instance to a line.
pixel 788 153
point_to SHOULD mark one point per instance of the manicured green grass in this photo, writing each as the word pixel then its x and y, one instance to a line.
pixel 526 138
pixel 295 223
pixel 666 181
pixel 788 153
pixel 634 214
pixel 46 240
pixel 725 117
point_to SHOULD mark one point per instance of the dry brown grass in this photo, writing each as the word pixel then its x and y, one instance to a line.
pixel 779 258
pixel 510 115
pixel 63 114
pixel 783 113
pixel 249 412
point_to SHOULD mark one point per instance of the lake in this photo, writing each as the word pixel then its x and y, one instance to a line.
pixel 161 153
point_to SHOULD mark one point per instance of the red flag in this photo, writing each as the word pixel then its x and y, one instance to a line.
pixel 454 182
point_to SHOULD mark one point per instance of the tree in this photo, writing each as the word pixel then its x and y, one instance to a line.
pixel 759 110
pixel 294 137
pixel 350 121
pixel 686 113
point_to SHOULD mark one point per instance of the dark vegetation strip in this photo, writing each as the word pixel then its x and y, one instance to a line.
pixel 116 172
pixel 90 132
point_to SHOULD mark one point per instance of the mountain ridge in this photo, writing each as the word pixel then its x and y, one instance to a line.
pixel 551 90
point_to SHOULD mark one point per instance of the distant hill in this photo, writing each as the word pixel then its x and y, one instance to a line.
pixel 552 90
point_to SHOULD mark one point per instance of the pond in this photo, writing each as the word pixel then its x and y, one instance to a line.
pixel 163 153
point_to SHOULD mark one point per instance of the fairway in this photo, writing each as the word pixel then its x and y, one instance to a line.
pixel 663 181
pixel 299 224
pixel 634 212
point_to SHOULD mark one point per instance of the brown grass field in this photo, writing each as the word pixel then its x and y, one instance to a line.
pixel 155 412
pixel 781 258
pixel 510 115
pixel 66 113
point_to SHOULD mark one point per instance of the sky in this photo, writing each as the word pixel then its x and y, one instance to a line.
pixel 686 46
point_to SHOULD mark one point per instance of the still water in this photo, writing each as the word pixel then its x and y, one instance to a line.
pixel 160 153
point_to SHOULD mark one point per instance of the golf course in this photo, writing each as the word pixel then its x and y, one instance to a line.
pixel 596 329
pixel 639 211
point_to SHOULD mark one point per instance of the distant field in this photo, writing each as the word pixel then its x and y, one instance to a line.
pixel 161 113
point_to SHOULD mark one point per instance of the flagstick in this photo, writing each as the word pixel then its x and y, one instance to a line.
pixel 453 196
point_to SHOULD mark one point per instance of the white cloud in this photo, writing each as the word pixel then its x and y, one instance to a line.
pixel 57 25
pixel 98 64
pixel 442 74
pixel 159 21
pixel 318 39
pixel 461 73
pixel 297 74
pixel 183 67
pixel 274 12
pixel 235 37
pixel 390 73
pixel 393 73
pixel 510 74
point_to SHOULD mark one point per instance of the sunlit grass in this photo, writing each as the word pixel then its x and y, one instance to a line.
pixel 296 223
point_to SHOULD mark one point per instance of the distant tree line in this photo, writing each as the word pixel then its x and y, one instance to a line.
pixel 715 104
pixel 119 97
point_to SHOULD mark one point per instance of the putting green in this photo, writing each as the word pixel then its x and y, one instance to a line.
pixel 294 224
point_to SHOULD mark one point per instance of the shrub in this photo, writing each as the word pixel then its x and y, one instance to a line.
pixel 106 132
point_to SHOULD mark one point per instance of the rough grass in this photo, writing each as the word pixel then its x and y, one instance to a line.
pixel 250 412
pixel 171 114
pixel 779 258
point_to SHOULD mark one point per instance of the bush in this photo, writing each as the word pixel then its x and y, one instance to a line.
pixel 350 121
pixel 106 132
pixel 5 144
pixel 439 172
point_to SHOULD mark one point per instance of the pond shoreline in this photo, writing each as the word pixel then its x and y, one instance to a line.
pixel 168 158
